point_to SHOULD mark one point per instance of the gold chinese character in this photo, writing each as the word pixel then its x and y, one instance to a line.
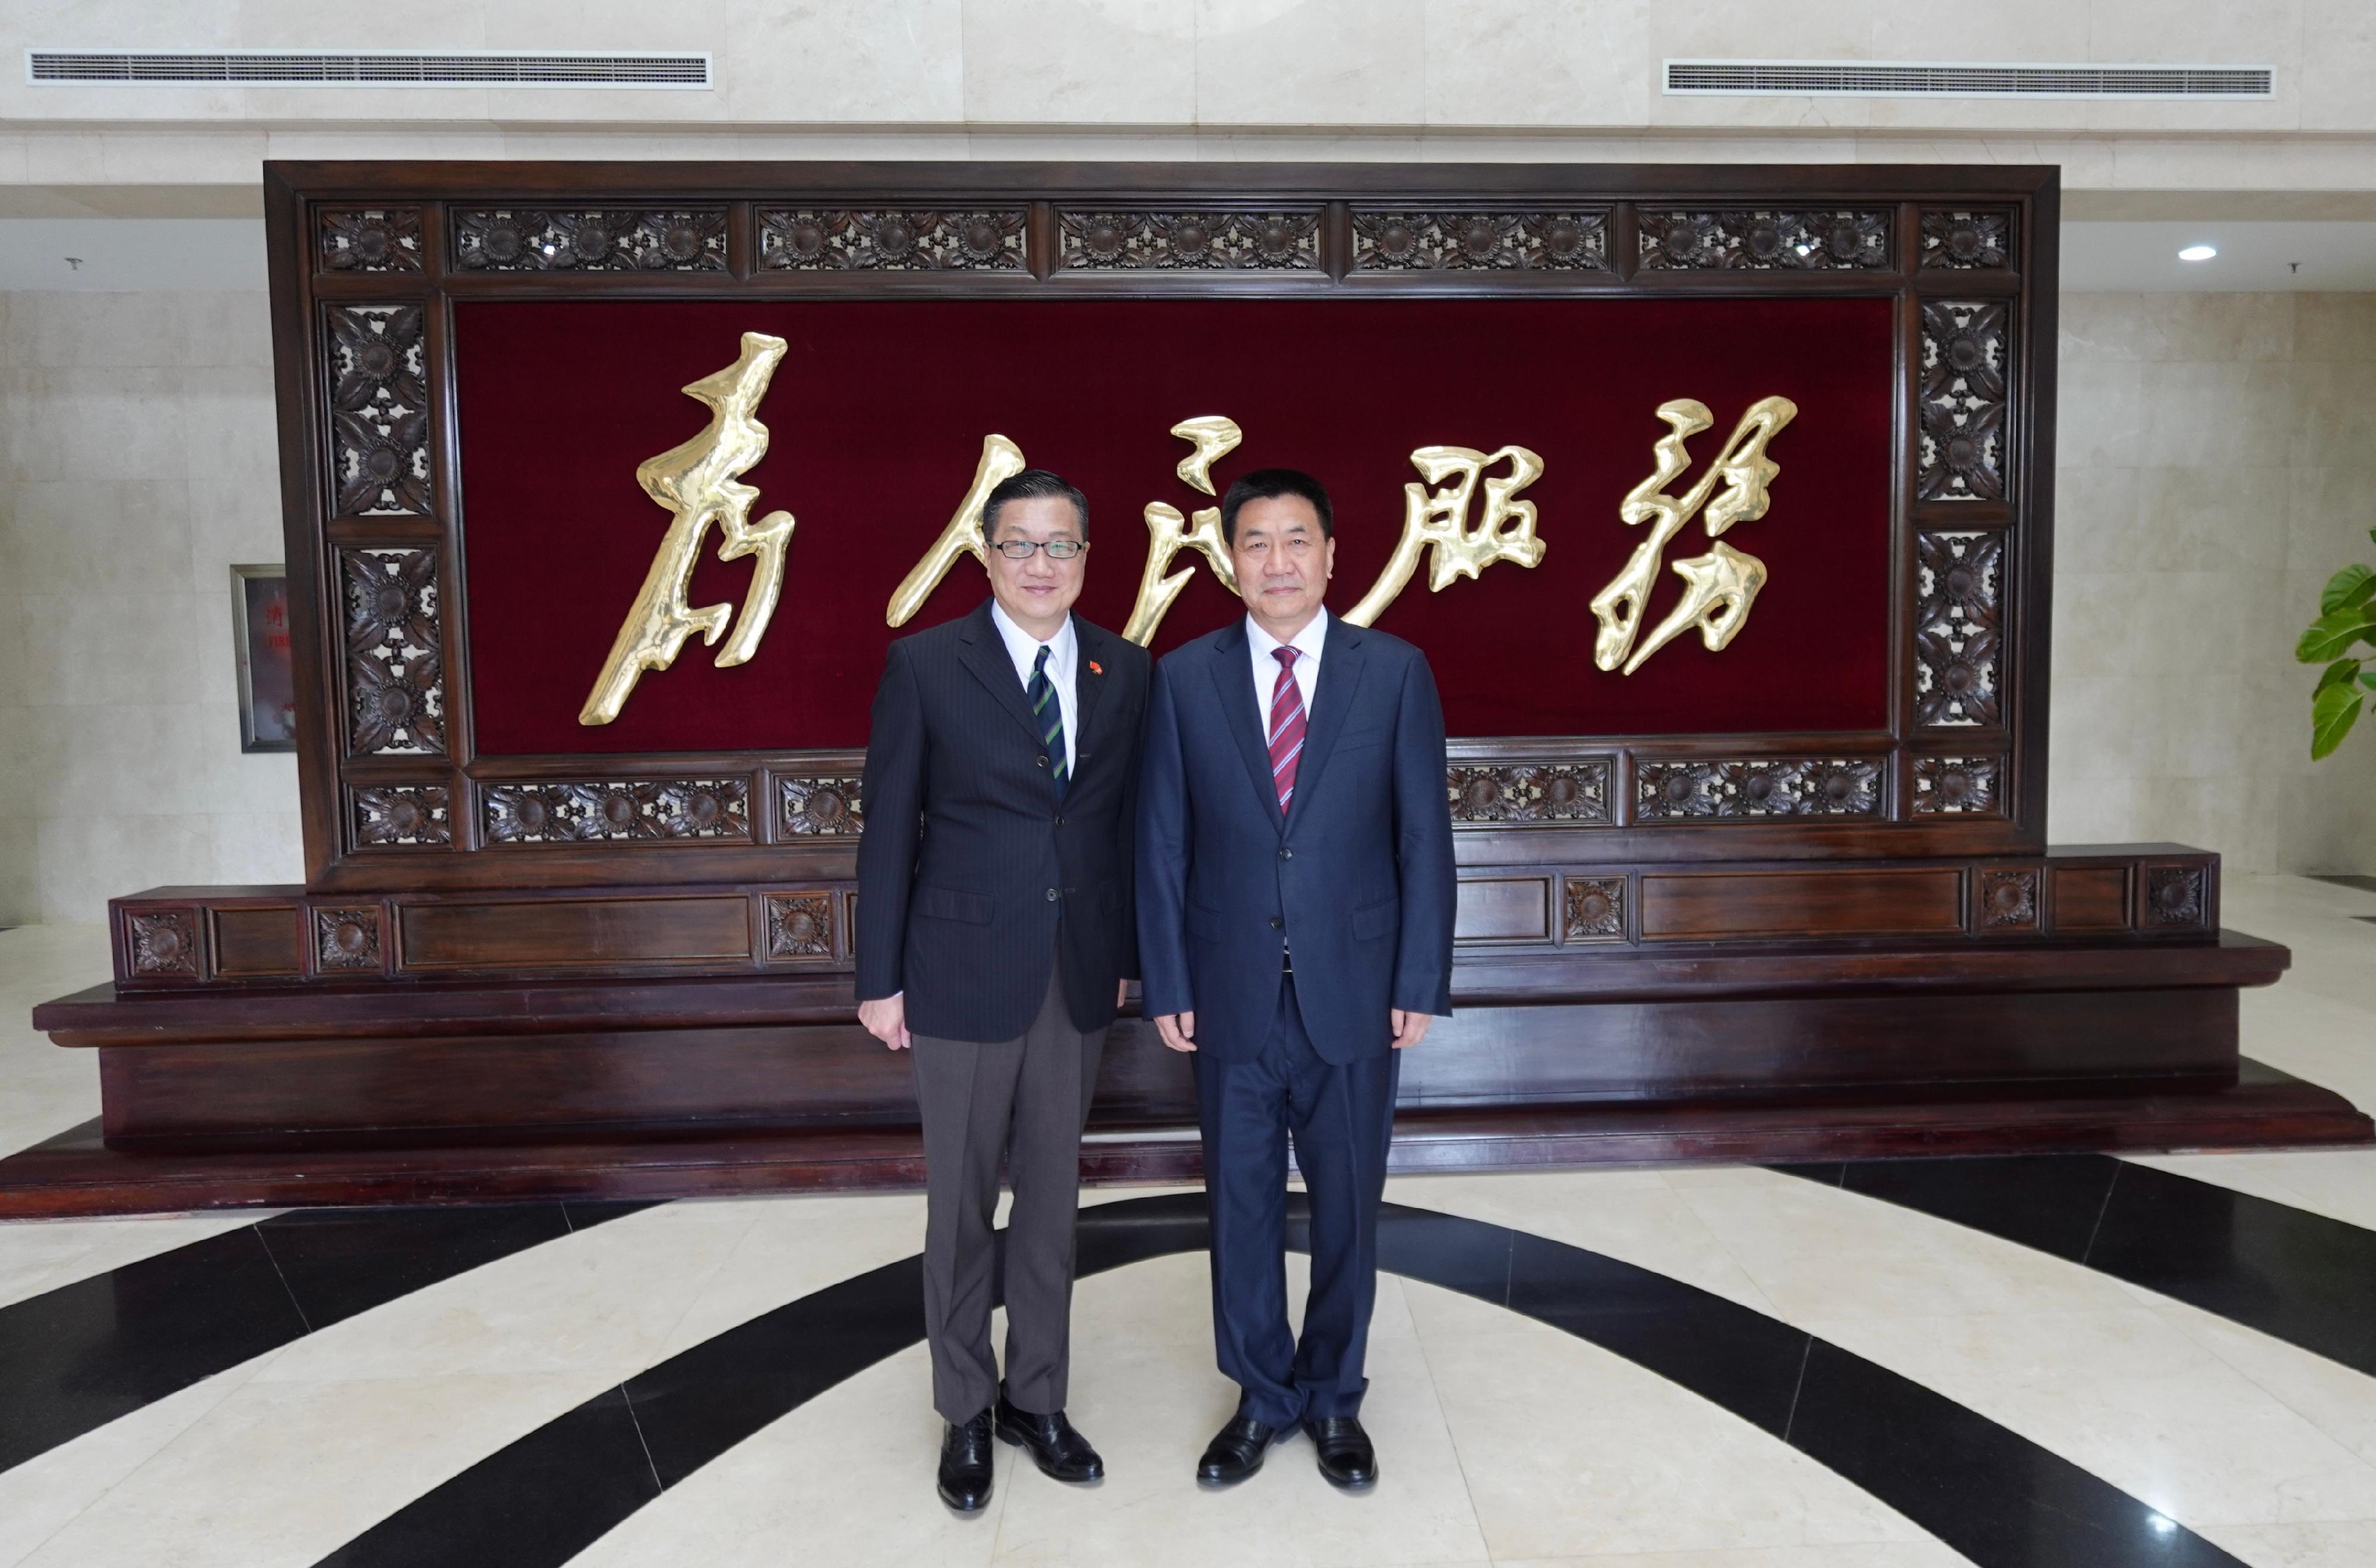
pixel 1440 520
pixel 1721 584
pixel 1000 460
pixel 699 481
pixel 1211 436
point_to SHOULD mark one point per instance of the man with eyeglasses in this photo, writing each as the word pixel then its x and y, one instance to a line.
pixel 994 937
pixel 1295 903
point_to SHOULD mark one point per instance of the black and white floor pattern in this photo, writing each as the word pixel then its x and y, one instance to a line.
pixel 2028 1362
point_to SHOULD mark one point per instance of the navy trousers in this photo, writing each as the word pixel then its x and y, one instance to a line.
pixel 1340 1119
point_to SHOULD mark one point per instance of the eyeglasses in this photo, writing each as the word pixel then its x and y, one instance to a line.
pixel 1057 548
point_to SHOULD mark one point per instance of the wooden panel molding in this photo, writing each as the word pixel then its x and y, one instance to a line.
pixel 606 239
pixel 1387 239
pixel 849 239
pixel 2091 898
pixel 1762 240
pixel 574 934
pixel 1896 900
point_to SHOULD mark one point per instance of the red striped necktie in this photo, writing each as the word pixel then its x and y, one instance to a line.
pixel 1286 727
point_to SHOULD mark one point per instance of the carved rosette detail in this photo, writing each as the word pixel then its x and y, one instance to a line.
pixel 608 240
pixel 163 941
pixel 1396 241
pixel 1966 239
pixel 1529 792
pixel 821 240
pixel 596 811
pixel 1218 240
pixel 383 238
pixel 1958 631
pixel 2174 895
pixel 346 939
pixel 1665 791
pixel 1958 786
pixel 396 683
pixel 1763 239
pixel 1593 908
pixel 1966 352
pixel 379 410
pixel 2008 899
pixel 828 807
pixel 800 925
pixel 404 815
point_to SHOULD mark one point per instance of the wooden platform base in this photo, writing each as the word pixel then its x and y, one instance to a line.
pixel 77 1173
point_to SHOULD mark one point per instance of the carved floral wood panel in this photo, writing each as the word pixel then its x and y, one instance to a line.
pixel 396 683
pixel 1758 788
pixel 1967 240
pixel 374 239
pixel 828 806
pixel 1958 786
pixel 1592 908
pixel 1430 241
pixel 616 810
pixel 1763 239
pixel 1529 792
pixel 163 941
pixel 1111 241
pixel 401 815
pixel 590 240
pixel 2008 899
pixel 2174 895
pixel 800 925
pixel 830 239
pixel 1958 629
pixel 346 939
pixel 1966 362
pixel 379 403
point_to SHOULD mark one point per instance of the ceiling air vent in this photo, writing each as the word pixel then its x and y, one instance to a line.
pixel 1889 79
pixel 149 67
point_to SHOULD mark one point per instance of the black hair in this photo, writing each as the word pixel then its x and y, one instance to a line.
pixel 1032 484
pixel 1269 484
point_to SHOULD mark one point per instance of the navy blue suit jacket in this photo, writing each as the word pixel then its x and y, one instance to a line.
pixel 1356 881
pixel 971 873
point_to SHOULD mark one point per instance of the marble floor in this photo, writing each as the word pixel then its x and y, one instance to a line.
pixel 2030 1364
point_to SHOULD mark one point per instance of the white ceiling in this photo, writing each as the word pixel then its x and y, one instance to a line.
pixel 2255 255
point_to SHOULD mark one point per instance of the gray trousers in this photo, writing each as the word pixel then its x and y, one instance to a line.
pixel 1026 1100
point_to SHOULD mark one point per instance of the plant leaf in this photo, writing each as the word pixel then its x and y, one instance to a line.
pixel 2331 714
pixel 2331 636
pixel 2339 673
pixel 2368 678
pixel 2353 584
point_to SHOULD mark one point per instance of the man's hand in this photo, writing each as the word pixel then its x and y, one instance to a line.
pixel 1178 1029
pixel 1410 1028
pixel 886 1020
pixel 1122 993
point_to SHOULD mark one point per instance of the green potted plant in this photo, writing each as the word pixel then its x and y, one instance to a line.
pixel 2344 639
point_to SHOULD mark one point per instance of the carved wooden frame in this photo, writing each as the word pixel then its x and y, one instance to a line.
pixel 1968 255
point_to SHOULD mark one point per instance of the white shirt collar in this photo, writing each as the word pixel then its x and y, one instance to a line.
pixel 1023 648
pixel 1308 643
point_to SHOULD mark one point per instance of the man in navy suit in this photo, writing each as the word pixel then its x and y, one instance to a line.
pixel 1295 905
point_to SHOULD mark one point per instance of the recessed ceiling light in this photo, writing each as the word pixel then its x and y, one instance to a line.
pixel 2198 253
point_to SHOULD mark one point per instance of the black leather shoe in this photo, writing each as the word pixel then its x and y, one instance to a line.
pixel 1236 1451
pixel 1056 1448
pixel 965 1465
pixel 1346 1457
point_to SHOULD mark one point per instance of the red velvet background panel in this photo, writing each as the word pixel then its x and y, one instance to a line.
pixel 877 415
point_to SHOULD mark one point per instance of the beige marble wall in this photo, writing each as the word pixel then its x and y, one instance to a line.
pixel 136 463
pixel 2212 451
pixel 2213 472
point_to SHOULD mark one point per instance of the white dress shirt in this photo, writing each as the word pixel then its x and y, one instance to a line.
pixel 1307 643
pixel 1064 661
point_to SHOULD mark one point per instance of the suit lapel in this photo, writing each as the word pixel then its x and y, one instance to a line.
pixel 1233 679
pixel 1090 656
pixel 1343 655
pixel 983 652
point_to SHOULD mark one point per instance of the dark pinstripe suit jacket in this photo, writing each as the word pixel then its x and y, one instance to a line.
pixel 970 873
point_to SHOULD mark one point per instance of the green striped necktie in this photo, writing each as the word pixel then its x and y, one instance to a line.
pixel 1050 716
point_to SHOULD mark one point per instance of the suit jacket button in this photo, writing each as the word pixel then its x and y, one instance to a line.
pixel 1053 895
pixel 1043 762
pixel 1277 923
pixel 1059 822
pixel 1286 854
